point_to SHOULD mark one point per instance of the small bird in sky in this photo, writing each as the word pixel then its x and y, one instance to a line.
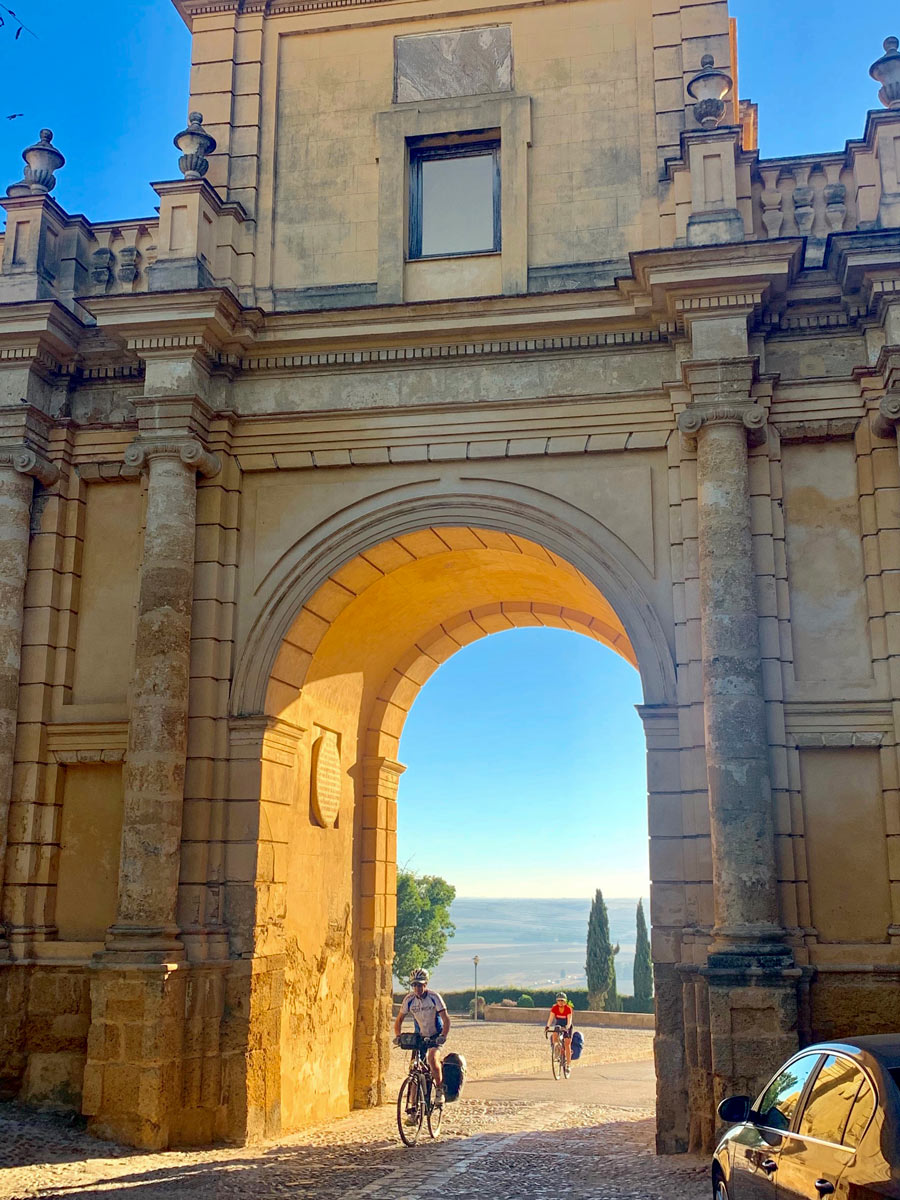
pixel 12 116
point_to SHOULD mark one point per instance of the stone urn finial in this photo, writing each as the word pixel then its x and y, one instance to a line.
pixel 887 72
pixel 709 87
pixel 42 160
pixel 194 143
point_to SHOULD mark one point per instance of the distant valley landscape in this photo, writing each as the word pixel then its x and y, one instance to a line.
pixel 531 941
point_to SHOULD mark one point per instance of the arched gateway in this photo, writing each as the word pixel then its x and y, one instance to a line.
pixel 456 321
pixel 334 662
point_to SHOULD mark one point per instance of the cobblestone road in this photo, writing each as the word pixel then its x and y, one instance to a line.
pixel 490 1149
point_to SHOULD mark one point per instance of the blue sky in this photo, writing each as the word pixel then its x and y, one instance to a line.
pixel 546 719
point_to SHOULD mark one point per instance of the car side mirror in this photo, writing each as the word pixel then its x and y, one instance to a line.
pixel 734 1110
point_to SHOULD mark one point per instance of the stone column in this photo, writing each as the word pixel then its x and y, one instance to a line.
pixel 749 972
pixel 737 743
pixel 19 467
pixel 157 736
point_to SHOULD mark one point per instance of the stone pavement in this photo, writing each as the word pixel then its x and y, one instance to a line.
pixel 502 1141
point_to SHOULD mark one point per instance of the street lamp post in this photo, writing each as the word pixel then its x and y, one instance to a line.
pixel 475 961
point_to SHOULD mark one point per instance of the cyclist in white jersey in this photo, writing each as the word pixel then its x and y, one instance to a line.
pixel 432 1020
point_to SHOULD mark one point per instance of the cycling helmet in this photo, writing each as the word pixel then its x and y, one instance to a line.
pixel 562 996
pixel 420 975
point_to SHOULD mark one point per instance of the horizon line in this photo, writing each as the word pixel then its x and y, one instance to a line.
pixel 605 898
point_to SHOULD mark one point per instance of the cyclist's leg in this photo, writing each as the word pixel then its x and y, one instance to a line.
pixel 434 1064
pixel 567 1041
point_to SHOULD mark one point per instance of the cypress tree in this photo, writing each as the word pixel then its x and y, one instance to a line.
pixel 600 966
pixel 643 967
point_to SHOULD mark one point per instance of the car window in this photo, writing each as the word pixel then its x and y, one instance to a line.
pixel 832 1096
pixel 781 1097
pixel 860 1115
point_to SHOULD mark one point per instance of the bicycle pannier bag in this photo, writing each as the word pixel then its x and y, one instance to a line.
pixel 577 1044
pixel 409 1041
pixel 454 1076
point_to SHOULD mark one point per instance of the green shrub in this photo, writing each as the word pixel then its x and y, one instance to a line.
pixel 525 1001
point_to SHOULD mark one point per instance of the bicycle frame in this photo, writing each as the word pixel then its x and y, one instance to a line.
pixel 417 1095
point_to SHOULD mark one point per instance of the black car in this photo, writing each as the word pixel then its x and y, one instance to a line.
pixel 828 1124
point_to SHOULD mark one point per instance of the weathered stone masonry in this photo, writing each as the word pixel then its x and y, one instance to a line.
pixel 262 471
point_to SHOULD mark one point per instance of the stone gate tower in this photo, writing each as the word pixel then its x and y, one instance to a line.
pixel 456 318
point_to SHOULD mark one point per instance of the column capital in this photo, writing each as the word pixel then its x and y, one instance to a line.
pixel 29 462
pixel 721 394
pixel 888 416
pixel 700 416
pixel 190 451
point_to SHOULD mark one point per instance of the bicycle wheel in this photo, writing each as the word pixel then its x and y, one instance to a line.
pixel 410 1111
pixel 555 1061
pixel 435 1117
pixel 566 1065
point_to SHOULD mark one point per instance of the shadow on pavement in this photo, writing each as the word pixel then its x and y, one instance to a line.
pixel 603 1162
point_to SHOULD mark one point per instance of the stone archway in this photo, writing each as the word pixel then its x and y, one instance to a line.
pixel 359 645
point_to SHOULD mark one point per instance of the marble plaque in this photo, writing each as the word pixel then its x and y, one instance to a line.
pixel 466 62
pixel 326 779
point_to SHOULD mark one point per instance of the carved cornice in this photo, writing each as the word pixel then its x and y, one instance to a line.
pixel 188 450
pixel 401 354
pixel 29 462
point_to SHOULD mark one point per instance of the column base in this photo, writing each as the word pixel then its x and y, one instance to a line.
pixel 133 1074
pixel 139 944
pixel 754 1003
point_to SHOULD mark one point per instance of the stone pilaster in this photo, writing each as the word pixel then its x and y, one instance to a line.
pixel 133 1086
pixel 750 973
pixel 20 466
pixel 378 918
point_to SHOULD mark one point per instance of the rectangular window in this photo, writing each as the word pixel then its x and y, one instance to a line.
pixel 454 203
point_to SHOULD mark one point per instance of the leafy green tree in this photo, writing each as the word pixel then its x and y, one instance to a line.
pixel 601 955
pixel 423 922
pixel 643 967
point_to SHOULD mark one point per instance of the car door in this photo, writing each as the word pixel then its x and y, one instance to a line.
pixel 756 1146
pixel 815 1158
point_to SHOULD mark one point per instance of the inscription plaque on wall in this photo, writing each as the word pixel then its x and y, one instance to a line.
pixel 466 62
pixel 325 788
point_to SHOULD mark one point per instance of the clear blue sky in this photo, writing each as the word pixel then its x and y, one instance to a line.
pixel 546 718
pixel 110 77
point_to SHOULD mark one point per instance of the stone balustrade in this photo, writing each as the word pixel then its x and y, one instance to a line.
pixel 122 253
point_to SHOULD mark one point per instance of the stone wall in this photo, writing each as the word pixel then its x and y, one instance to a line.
pixel 586 1017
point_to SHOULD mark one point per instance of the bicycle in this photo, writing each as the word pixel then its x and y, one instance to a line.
pixel 415 1104
pixel 559 1065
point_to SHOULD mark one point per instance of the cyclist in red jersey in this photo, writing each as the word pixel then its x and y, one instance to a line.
pixel 559 1024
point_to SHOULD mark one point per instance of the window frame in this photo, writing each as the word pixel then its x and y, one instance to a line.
pixel 431 150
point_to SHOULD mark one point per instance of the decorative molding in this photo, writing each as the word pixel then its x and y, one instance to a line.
pixel 395 354
pixel 189 450
pixel 545 445
pixel 842 739
pixel 381 776
pixel 812 430
pixel 104 472
pixel 30 462
pixel 87 742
